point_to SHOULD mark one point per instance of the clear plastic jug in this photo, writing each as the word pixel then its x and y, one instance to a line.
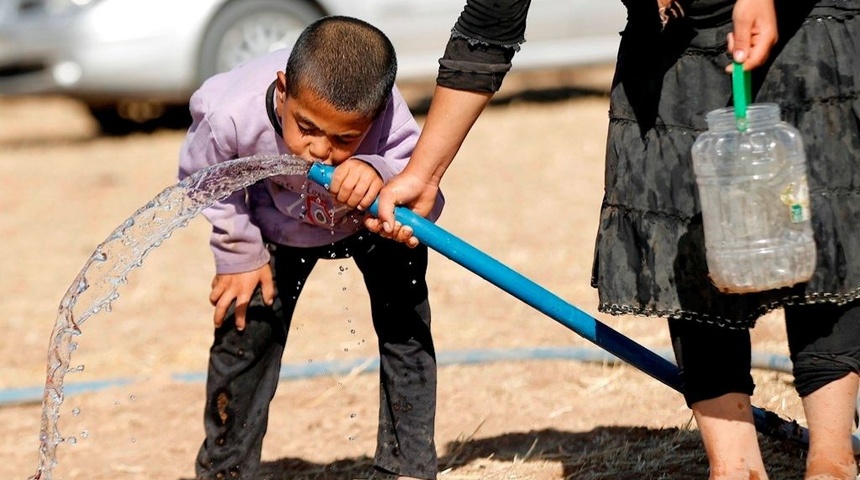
pixel 755 201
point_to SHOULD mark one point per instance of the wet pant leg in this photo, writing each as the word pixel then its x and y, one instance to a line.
pixel 395 278
pixel 243 373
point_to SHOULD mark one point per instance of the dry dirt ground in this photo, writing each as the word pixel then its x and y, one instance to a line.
pixel 525 189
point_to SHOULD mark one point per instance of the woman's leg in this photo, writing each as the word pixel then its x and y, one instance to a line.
pixel 715 367
pixel 730 438
pixel 830 416
pixel 824 341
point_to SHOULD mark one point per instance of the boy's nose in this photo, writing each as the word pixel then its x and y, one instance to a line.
pixel 320 149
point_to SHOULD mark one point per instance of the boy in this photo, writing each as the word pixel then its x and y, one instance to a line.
pixel 335 103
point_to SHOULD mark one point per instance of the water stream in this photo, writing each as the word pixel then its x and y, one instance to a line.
pixel 96 286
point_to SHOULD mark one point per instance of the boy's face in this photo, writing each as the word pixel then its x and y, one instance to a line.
pixel 314 130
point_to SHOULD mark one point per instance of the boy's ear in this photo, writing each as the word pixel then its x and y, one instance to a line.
pixel 281 87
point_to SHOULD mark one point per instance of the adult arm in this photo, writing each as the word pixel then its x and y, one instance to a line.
pixel 452 114
pixel 477 58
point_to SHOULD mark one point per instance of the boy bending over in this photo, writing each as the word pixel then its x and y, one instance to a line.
pixel 335 103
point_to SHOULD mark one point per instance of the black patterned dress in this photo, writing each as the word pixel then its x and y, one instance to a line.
pixel 649 255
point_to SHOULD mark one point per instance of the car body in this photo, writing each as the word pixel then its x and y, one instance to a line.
pixel 146 54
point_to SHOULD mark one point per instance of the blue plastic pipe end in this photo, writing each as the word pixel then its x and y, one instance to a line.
pixel 321 174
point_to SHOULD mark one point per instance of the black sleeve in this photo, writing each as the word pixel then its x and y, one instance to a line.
pixel 482 44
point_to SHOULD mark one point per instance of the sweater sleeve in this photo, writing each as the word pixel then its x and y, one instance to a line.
pixel 396 139
pixel 236 241
pixel 483 42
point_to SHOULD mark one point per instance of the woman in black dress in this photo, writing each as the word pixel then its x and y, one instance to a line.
pixel 649 257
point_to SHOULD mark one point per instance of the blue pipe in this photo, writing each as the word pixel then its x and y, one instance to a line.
pixel 550 304
pixel 303 370
pixel 25 395
pixel 524 289
pixel 14 396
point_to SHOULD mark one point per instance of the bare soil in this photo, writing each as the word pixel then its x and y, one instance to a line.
pixel 525 189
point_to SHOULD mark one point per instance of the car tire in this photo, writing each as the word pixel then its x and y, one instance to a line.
pixel 245 29
pixel 112 122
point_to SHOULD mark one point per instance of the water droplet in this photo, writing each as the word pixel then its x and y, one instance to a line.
pixel 72 440
pixel 352 438
pixel 76 411
pixel 352 331
pixel 352 415
pixel 85 434
pixel 132 398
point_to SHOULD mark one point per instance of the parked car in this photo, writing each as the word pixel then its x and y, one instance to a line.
pixel 131 61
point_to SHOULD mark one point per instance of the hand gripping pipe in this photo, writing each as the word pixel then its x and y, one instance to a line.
pixel 551 305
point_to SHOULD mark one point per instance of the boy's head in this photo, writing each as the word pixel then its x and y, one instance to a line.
pixel 338 78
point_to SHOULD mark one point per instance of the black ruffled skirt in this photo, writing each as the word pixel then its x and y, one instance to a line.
pixel 649 256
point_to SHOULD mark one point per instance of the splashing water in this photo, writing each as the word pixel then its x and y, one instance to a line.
pixel 95 287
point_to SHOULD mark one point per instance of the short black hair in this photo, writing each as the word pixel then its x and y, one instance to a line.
pixel 346 61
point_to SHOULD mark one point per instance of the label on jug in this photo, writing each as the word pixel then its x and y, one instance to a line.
pixel 797 198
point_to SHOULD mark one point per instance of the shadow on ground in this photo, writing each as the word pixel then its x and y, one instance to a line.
pixel 605 453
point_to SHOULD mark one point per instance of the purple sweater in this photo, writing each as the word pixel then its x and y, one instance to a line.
pixel 230 120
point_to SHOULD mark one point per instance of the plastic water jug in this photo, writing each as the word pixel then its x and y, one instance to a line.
pixel 755 200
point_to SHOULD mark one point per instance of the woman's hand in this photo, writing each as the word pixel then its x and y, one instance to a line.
pixel 411 191
pixel 755 33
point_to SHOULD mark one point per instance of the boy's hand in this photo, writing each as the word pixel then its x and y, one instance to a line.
pixel 239 287
pixel 755 33
pixel 355 184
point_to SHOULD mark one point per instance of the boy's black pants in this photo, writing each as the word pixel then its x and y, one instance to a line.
pixel 244 366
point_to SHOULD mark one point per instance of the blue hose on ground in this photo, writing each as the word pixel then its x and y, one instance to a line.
pixel 553 306
pixel 31 395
